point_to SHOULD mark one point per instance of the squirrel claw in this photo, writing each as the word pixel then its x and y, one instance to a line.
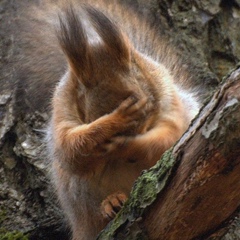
pixel 113 204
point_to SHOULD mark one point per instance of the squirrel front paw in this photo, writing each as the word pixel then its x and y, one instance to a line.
pixel 113 204
pixel 131 110
pixel 112 144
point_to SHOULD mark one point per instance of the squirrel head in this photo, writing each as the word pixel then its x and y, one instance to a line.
pixel 102 60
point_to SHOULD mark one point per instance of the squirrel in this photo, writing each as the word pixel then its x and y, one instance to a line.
pixel 123 100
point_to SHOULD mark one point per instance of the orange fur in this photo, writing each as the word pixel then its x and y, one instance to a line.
pixel 121 103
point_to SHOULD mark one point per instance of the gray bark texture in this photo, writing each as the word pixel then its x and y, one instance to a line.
pixel 192 193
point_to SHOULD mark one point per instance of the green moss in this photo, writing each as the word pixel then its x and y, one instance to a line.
pixel 13 235
pixel 151 182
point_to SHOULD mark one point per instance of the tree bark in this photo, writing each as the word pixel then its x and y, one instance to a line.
pixel 195 187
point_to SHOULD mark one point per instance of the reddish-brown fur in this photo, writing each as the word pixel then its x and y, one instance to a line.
pixel 121 103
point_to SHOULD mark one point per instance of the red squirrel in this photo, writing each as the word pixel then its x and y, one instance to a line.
pixel 124 99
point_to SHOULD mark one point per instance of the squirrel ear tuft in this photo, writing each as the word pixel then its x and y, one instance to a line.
pixel 76 40
pixel 73 40
pixel 115 42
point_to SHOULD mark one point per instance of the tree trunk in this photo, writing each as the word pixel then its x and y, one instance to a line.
pixel 195 187
pixel 207 33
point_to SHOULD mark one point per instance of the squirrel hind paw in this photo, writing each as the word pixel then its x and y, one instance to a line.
pixel 113 204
